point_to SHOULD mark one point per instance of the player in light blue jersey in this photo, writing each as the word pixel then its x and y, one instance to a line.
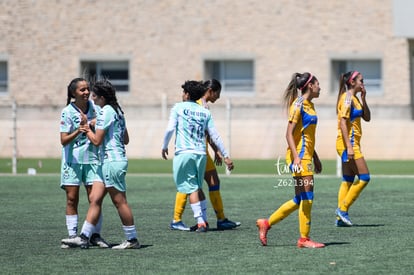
pixel 112 135
pixel 80 159
pixel 190 121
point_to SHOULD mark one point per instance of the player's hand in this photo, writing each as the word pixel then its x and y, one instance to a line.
pixel 229 163
pixel 318 165
pixel 218 159
pixel 164 153
pixel 351 153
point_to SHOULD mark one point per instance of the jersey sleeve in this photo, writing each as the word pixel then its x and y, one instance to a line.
pixel 294 111
pixel 65 122
pixel 344 108
pixel 215 137
pixel 172 122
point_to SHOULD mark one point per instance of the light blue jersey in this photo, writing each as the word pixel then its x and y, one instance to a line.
pixel 80 150
pixel 190 121
pixel 113 148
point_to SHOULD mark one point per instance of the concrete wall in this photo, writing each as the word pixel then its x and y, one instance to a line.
pixel 166 42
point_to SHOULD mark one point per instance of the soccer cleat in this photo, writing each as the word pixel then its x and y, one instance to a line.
pixel 97 240
pixel 308 243
pixel 264 227
pixel 340 223
pixel 77 241
pixel 343 216
pixel 227 224
pixel 66 246
pixel 202 228
pixel 179 226
pixel 128 244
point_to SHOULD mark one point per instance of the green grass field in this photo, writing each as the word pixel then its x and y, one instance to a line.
pixel 243 167
pixel 33 222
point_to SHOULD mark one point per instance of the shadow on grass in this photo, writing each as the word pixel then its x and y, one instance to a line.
pixel 336 243
pixel 142 246
pixel 368 225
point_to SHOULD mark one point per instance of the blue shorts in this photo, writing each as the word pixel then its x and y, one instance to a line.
pixel 188 172
pixel 75 174
pixel 113 174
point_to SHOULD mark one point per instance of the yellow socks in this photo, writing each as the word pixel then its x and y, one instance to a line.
pixel 217 203
pixel 343 190
pixel 353 194
pixel 305 208
pixel 180 202
pixel 284 210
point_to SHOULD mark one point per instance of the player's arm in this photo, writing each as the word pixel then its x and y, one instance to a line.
pixel 366 113
pixel 66 138
pixel 126 136
pixel 291 142
pixel 218 158
pixel 172 122
pixel 345 137
pixel 97 137
pixel 215 138
pixel 317 162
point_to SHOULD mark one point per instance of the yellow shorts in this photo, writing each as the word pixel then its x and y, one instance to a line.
pixel 210 166
pixel 343 152
pixel 305 170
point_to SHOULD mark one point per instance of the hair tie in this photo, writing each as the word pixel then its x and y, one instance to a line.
pixel 307 81
pixel 354 74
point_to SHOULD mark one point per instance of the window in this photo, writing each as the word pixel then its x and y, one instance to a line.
pixel 235 76
pixel 115 71
pixel 3 77
pixel 371 69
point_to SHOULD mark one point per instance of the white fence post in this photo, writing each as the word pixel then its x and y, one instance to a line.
pixel 228 118
pixel 14 137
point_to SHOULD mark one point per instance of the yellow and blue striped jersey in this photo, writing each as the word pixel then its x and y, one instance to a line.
pixel 302 112
pixel 350 108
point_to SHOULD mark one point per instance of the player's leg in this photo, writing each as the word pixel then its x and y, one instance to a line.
pixel 213 182
pixel 281 213
pixel 358 186
pixel 72 201
pixel 93 173
pixel 125 213
pixel 304 187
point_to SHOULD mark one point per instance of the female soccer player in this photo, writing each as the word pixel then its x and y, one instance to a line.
pixel 80 159
pixel 112 135
pixel 350 111
pixel 300 136
pixel 212 93
pixel 190 121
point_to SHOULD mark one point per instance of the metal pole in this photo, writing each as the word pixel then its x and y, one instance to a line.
pixel 14 137
pixel 338 166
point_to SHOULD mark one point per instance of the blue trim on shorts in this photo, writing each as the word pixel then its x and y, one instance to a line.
pixel 296 199
pixel 306 196
pixel 348 178
pixel 214 187
pixel 364 177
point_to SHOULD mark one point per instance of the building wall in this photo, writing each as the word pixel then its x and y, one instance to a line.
pixel 166 42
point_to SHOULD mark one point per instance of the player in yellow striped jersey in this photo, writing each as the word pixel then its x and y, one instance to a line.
pixel 213 89
pixel 350 110
pixel 300 136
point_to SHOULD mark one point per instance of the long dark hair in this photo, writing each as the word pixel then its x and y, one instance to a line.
pixel 212 84
pixel 195 89
pixel 298 82
pixel 73 85
pixel 105 89
pixel 345 84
